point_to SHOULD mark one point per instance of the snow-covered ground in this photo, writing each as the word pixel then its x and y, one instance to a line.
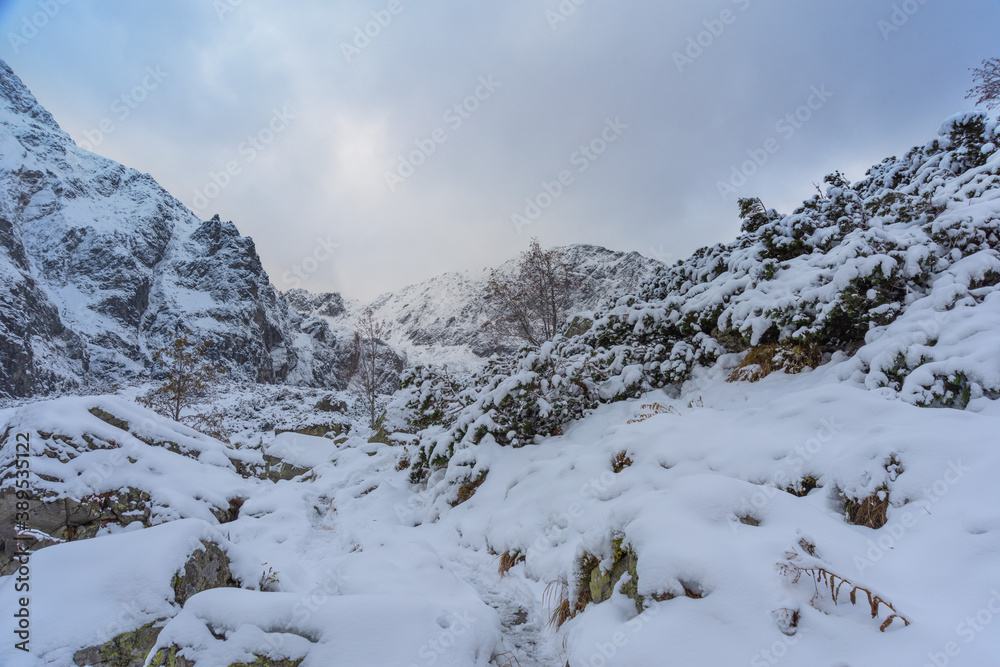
pixel 359 567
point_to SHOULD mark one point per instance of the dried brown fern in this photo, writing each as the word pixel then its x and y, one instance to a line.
pixel 834 582
pixel 509 660
pixel 653 409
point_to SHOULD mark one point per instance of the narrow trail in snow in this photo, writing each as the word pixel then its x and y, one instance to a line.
pixel 524 624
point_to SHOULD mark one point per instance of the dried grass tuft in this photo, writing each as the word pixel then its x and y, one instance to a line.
pixel 621 461
pixel 651 410
pixel 763 360
pixel 872 512
pixel 556 597
pixel 508 560
pixel 509 660
pixel 469 488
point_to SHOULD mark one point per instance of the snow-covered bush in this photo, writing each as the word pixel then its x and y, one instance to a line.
pixel 883 270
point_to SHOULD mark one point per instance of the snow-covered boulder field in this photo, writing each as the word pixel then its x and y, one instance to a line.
pixel 142 522
pixel 729 524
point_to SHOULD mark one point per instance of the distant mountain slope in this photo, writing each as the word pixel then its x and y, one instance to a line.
pixel 442 319
pixel 103 265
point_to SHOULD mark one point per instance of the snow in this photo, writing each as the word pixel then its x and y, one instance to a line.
pixel 372 571
pixel 84 593
pixel 122 265
pixel 734 501
pixel 186 474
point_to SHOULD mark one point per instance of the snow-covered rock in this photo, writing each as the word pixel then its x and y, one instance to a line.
pixel 102 266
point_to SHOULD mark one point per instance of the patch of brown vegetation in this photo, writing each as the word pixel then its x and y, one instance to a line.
pixel 825 580
pixel 469 488
pixel 651 410
pixel 508 560
pixel 872 512
pixel 621 461
pixel 790 357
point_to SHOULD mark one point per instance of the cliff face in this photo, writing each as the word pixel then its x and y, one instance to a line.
pixel 101 265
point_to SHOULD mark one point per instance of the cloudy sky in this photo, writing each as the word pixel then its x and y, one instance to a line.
pixel 422 137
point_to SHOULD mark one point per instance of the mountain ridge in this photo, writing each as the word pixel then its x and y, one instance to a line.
pixel 444 319
pixel 121 264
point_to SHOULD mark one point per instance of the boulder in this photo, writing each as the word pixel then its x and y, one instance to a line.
pixel 206 568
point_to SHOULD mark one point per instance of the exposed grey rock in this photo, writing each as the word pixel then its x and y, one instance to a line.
pixel 206 569
pixel 101 266
pixel 67 519
pixel 128 649
pixel 278 470
pixel 38 354
pixel 328 405
pixel 173 657
pixel 321 305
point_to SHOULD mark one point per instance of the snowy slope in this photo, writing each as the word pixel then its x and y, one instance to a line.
pixel 895 280
pixel 314 579
pixel 364 567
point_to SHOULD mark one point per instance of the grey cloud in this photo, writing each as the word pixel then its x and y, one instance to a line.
pixel 653 189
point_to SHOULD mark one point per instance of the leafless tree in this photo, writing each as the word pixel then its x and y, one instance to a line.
pixel 531 303
pixel 987 87
pixel 187 378
pixel 187 375
pixel 373 362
